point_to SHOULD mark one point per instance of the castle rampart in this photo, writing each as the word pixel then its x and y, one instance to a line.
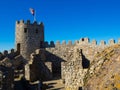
pixel 65 51
pixel 82 41
pixel 39 59
pixel 10 54
pixel 89 48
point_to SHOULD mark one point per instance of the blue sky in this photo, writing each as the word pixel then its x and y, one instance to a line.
pixel 63 19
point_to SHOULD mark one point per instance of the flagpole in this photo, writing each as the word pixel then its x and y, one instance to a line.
pixel 35 16
pixel 33 12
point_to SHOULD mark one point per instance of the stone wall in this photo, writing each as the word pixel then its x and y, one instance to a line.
pixel 76 59
pixel 56 56
pixel 85 40
pixel 73 71
pixel 89 48
pixel 37 68
pixel 7 69
pixel 68 61
pixel 10 54
pixel 29 37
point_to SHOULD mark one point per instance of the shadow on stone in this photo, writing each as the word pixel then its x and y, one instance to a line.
pixel 85 61
pixel 80 88
pixel 56 64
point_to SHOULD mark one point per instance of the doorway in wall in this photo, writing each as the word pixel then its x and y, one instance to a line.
pixel 18 47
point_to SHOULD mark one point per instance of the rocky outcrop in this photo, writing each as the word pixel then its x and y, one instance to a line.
pixel 104 72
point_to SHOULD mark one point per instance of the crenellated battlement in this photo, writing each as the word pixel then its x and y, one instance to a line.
pixel 22 22
pixel 82 41
pixel 6 52
pixel 12 53
pixel 29 37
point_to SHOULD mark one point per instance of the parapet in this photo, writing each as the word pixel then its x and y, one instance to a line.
pixel 52 44
pixel 76 42
pixel 63 42
pixel 5 52
pixel 119 41
pixel 41 24
pixel 12 53
pixel 102 43
pixel 46 44
pixel 85 40
pixel 111 42
pixel 20 22
pixel 58 43
pixel 82 41
pixel 69 42
pixel 29 23
pixel 94 42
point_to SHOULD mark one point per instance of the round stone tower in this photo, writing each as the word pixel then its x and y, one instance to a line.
pixel 29 37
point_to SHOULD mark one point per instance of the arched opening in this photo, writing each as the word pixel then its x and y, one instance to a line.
pixel 18 47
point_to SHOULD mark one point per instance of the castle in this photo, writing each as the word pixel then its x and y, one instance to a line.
pixel 35 60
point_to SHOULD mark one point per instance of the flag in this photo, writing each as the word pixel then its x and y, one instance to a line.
pixel 32 11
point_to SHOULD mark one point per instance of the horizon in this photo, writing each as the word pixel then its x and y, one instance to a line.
pixel 63 19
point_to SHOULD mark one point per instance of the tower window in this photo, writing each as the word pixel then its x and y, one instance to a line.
pixel 36 31
pixel 25 30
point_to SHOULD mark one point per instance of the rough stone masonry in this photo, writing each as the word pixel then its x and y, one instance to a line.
pixel 37 60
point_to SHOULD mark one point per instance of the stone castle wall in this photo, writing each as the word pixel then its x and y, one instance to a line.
pixel 29 37
pixel 74 63
pixel 89 48
pixel 68 61
pixel 36 68
pixel 10 54
pixel 7 69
